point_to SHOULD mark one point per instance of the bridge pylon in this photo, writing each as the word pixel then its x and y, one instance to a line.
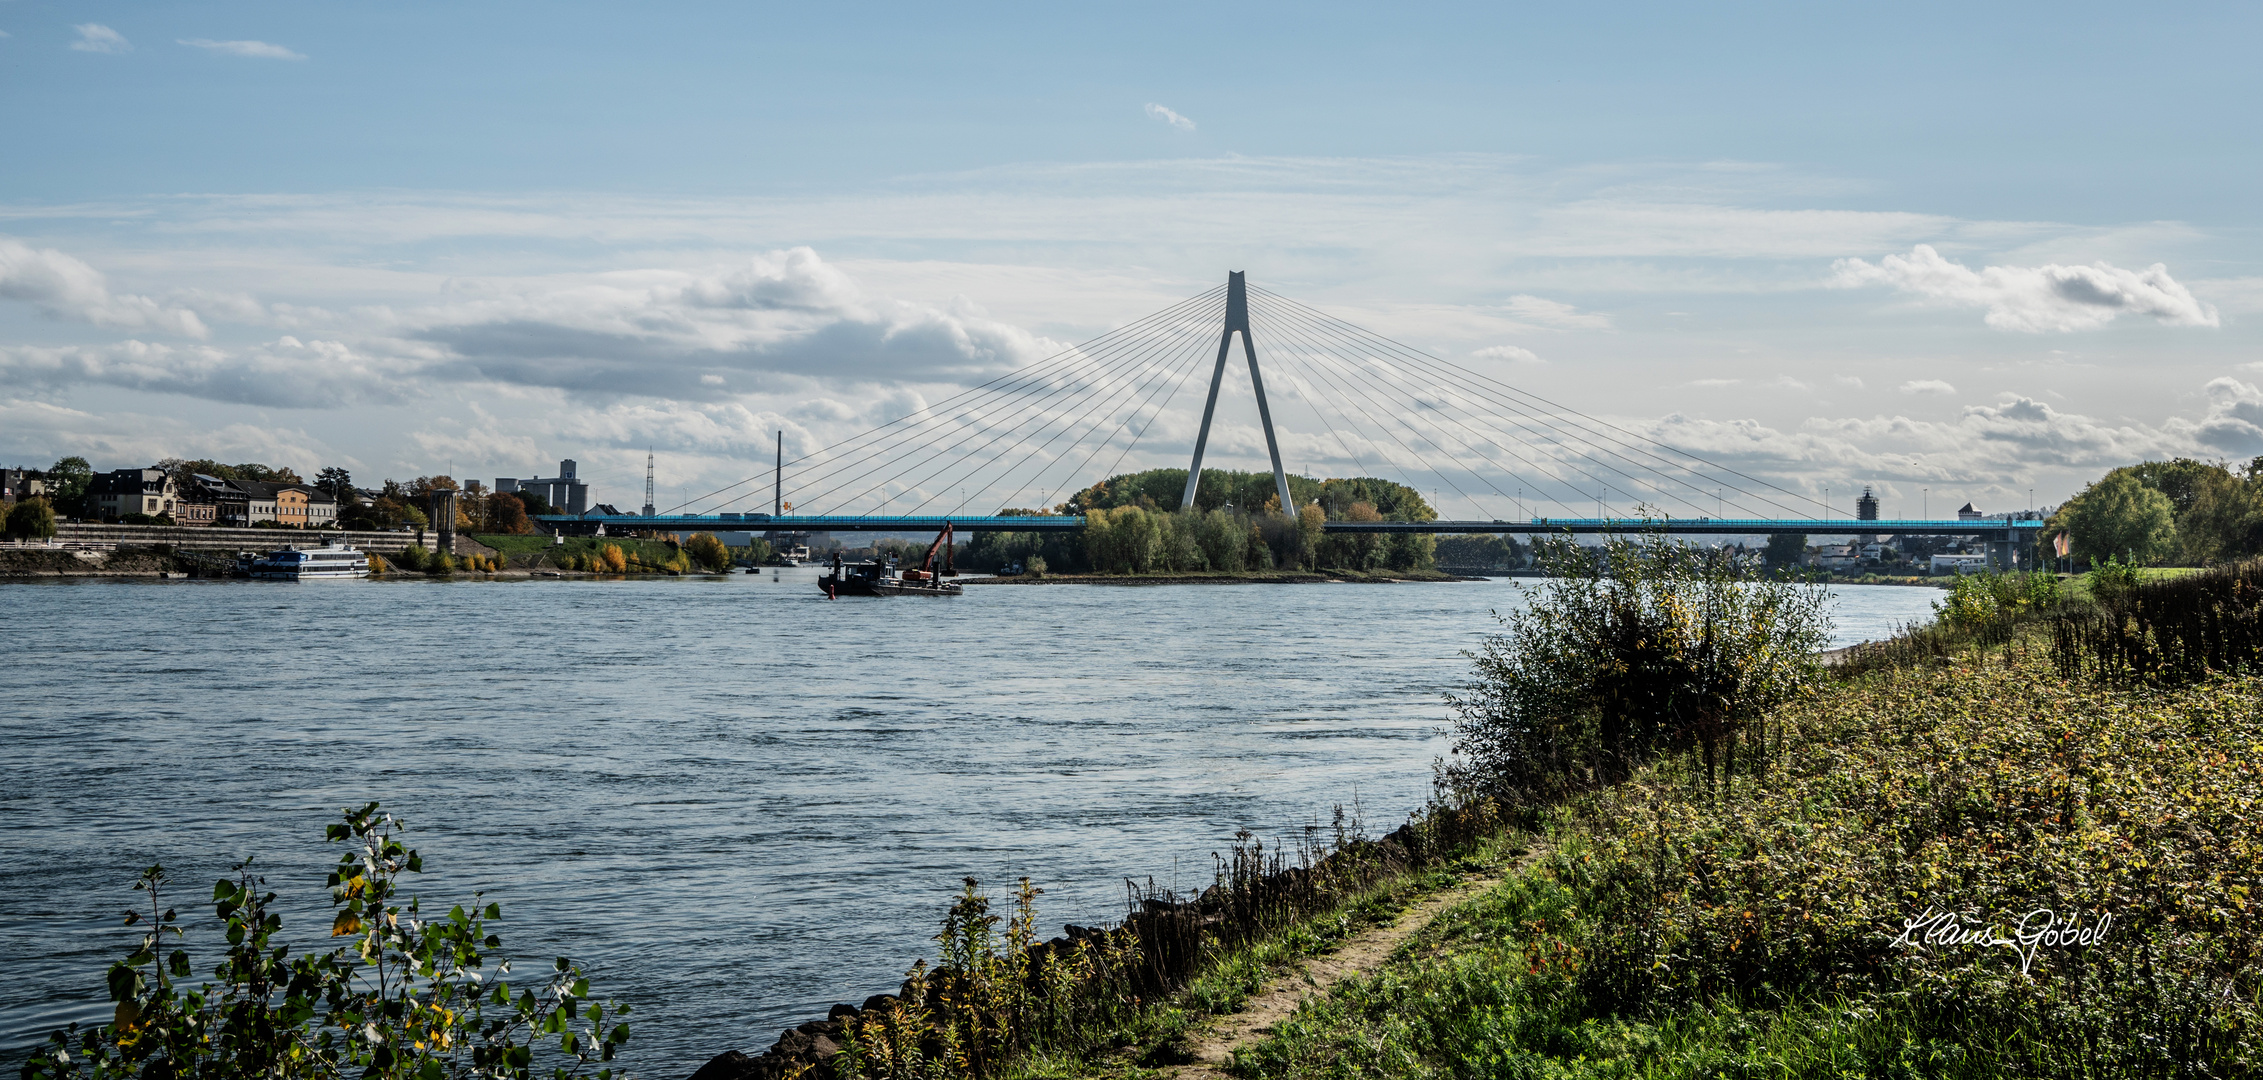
pixel 1237 319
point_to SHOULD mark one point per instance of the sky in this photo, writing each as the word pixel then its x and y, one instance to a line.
pixel 1954 252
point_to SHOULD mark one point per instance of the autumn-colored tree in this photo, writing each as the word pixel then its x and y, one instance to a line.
pixel 709 552
pixel 613 559
pixel 506 514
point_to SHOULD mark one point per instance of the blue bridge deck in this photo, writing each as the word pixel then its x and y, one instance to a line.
pixel 2004 529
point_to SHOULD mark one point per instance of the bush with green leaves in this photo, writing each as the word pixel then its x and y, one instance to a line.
pixel 1640 646
pixel 1986 606
pixel 413 995
pixel 31 519
pixel 992 996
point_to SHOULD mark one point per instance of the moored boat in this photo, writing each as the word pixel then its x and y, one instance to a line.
pixel 305 564
pixel 880 578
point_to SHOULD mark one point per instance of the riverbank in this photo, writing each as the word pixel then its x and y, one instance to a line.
pixel 1166 986
pixel 1263 577
pixel 1792 925
pixel 1967 867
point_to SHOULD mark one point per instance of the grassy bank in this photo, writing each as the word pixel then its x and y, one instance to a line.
pixel 544 552
pixel 1682 929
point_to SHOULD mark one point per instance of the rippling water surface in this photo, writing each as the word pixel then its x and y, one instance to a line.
pixel 740 801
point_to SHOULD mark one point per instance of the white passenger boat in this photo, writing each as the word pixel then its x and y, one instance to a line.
pixel 301 564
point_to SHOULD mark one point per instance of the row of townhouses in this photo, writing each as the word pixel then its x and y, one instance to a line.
pixel 203 500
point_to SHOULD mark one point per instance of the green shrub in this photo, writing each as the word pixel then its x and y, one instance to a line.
pixel 31 519
pixel 414 995
pixel 1643 645
pixel 990 996
pixel 413 557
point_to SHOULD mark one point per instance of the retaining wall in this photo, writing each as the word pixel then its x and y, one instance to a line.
pixel 185 538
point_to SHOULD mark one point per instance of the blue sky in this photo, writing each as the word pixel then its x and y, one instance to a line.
pixel 410 237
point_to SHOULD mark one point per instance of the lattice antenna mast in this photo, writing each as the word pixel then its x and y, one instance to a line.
pixel 1237 318
pixel 649 509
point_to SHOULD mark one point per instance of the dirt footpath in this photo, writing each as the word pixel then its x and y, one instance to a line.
pixel 1213 1043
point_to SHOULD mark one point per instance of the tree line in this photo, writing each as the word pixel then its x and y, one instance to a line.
pixel 1132 525
pixel 2194 513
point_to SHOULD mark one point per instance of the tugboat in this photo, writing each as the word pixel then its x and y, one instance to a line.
pixel 304 564
pixel 879 578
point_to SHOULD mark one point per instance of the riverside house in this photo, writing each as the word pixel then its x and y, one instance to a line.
pixel 120 492
pixel 249 502
pixel 19 484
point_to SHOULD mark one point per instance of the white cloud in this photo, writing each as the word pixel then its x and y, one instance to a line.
pixel 1714 383
pixel 1927 386
pixel 1848 380
pixel 97 38
pixel 707 335
pixel 287 373
pixel 1556 314
pixel 43 431
pixel 1169 117
pixel 2234 421
pixel 1514 354
pixel 2006 443
pixel 255 49
pixel 68 288
pixel 2038 298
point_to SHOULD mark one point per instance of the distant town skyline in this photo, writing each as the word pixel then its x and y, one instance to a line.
pixel 1833 248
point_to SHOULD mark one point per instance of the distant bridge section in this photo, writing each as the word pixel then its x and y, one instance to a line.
pixel 1998 529
pixel 621 524
pixel 1986 527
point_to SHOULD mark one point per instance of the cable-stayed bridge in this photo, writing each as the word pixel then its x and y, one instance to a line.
pixel 1354 402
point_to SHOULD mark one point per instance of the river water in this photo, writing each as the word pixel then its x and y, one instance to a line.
pixel 739 801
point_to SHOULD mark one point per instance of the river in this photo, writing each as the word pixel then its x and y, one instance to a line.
pixel 739 801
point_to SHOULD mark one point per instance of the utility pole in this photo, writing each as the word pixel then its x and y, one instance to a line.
pixel 1237 318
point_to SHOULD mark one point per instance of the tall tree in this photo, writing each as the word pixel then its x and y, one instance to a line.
pixel 252 470
pixel 1785 549
pixel 506 514
pixel 337 482
pixel 67 481
pixel 2119 517
pixel 184 468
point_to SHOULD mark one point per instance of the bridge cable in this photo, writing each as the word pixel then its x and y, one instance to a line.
pixel 1585 444
pixel 1172 354
pixel 979 389
pixel 1359 371
pixel 1111 357
pixel 975 421
pixel 1796 496
pixel 1131 354
pixel 1474 444
pixel 1411 451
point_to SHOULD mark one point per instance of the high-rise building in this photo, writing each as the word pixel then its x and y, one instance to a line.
pixel 1866 507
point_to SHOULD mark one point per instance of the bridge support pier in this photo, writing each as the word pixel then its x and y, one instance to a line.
pixel 1237 318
